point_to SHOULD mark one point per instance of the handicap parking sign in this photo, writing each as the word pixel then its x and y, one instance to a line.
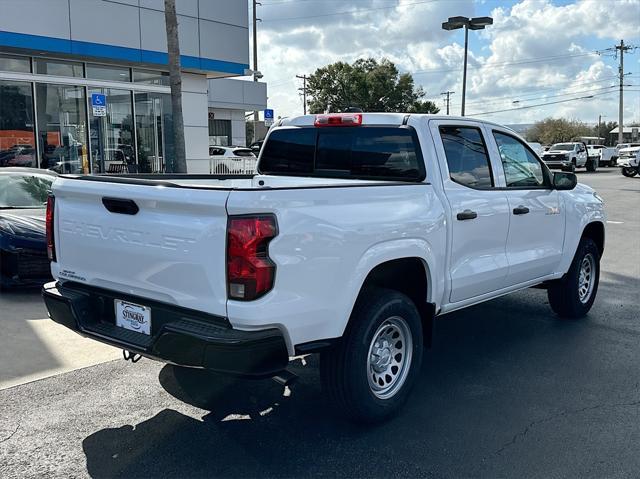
pixel 268 117
pixel 99 104
pixel 98 99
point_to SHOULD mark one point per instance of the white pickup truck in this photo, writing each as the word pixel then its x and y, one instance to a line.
pixel 358 230
pixel 569 156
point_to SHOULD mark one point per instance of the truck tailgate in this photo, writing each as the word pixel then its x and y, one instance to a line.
pixel 172 249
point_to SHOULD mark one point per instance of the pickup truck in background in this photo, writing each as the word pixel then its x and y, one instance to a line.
pixel 356 233
pixel 622 146
pixel 568 157
pixel 629 160
pixel 601 155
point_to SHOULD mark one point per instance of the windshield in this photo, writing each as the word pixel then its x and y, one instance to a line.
pixel 24 191
pixel 562 147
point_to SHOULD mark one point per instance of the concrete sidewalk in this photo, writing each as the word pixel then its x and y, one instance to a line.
pixel 34 347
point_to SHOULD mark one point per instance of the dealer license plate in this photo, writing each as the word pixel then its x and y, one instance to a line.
pixel 133 317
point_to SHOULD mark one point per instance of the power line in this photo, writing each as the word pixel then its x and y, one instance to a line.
pixel 545 97
pixel 538 90
pixel 523 61
pixel 588 97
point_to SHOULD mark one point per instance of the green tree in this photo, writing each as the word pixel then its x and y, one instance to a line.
pixel 367 84
pixel 556 130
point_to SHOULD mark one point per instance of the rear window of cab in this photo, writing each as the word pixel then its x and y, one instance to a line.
pixel 372 152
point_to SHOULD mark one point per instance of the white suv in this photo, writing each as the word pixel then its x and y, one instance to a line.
pixel 231 160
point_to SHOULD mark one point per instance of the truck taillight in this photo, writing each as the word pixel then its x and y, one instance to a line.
pixel 51 243
pixel 250 271
pixel 339 119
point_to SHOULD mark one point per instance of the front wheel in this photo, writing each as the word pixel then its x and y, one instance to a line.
pixel 629 171
pixel 370 373
pixel 574 294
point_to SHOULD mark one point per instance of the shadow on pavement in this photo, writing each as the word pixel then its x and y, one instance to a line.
pixel 496 376
pixel 477 366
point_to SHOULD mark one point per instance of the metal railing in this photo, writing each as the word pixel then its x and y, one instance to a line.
pixel 232 166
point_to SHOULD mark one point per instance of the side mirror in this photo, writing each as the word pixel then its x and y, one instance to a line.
pixel 564 181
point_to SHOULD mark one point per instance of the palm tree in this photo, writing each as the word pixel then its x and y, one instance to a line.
pixel 179 163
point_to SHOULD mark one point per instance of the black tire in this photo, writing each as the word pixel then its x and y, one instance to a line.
pixel 345 369
pixel 564 294
pixel 629 172
pixel 591 165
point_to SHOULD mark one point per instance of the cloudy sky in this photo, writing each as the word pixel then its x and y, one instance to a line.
pixel 537 51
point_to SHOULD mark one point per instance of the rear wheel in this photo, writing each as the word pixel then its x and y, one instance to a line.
pixel 370 373
pixel 591 165
pixel 629 172
pixel 574 294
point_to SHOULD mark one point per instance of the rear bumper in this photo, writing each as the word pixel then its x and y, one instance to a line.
pixel 178 336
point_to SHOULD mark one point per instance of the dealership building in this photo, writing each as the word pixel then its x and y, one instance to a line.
pixel 84 85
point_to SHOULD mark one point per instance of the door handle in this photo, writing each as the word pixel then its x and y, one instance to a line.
pixel 121 206
pixel 520 210
pixel 467 215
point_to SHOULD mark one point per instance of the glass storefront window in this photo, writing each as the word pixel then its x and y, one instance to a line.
pixel 62 128
pixel 151 77
pixel 154 129
pixel 220 132
pixel 109 73
pixel 112 140
pixel 59 68
pixel 10 63
pixel 17 137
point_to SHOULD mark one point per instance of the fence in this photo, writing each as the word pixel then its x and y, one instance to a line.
pixel 233 166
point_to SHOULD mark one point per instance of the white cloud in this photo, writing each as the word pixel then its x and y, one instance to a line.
pixel 502 59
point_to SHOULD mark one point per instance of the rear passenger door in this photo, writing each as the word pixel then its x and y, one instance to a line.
pixel 536 231
pixel 479 210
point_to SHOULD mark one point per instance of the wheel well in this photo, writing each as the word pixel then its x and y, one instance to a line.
pixel 408 276
pixel 595 231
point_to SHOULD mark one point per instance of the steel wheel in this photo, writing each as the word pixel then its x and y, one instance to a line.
pixel 389 358
pixel 586 278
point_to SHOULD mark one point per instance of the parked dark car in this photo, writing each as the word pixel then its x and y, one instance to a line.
pixel 23 244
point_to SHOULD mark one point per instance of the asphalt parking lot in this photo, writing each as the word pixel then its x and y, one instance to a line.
pixel 507 390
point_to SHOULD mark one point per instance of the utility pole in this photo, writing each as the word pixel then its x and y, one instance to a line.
pixel 622 48
pixel 448 98
pixel 255 63
pixel 599 122
pixel 304 79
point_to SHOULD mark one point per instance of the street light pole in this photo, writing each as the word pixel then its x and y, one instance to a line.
pixel 464 74
pixel 477 23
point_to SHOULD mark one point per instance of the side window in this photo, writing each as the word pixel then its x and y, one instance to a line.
pixel 467 156
pixel 521 167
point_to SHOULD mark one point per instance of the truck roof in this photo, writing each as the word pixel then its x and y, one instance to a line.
pixel 380 119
